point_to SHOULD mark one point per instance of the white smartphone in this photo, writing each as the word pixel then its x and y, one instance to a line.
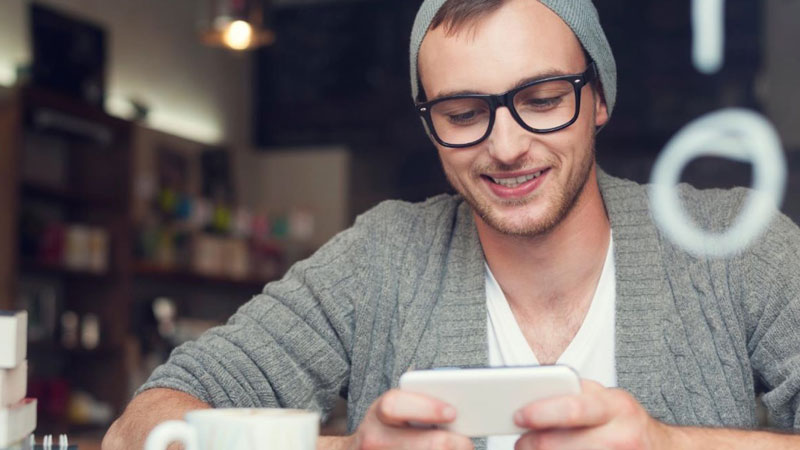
pixel 487 398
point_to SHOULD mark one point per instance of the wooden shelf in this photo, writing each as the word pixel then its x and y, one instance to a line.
pixel 66 195
pixel 44 98
pixel 42 348
pixel 59 269
pixel 186 276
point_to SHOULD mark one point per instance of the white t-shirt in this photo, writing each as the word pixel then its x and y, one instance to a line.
pixel 590 353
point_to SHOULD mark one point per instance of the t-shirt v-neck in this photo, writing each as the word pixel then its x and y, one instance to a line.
pixel 591 351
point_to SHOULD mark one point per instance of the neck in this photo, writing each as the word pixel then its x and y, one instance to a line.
pixel 556 269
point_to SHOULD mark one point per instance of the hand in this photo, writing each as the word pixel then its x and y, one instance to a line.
pixel 386 425
pixel 597 418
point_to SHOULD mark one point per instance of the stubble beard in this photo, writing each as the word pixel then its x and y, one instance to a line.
pixel 561 203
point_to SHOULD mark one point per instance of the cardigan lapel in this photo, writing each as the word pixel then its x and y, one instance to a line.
pixel 643 294
pixel 461 312
pixel 447 323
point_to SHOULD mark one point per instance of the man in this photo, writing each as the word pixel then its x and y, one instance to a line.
pixel 541 258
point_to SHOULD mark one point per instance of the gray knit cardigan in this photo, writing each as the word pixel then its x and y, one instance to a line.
pixel 696 339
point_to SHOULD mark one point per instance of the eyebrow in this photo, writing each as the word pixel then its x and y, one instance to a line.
pixel 550 73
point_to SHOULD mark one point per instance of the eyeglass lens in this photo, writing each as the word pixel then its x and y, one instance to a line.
pixel 542 106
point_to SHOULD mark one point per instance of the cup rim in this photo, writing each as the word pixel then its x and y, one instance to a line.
pixel 251 413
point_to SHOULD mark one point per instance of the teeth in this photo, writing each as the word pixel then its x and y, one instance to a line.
pixel 514 182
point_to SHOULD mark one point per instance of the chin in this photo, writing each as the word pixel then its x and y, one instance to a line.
pixel 522 220
pixel 530 227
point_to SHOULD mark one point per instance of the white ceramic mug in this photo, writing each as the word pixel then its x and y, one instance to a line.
pixel 239 429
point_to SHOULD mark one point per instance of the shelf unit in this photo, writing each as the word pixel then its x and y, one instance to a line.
pixel 9 118
pixel 87 154
pixel 98 158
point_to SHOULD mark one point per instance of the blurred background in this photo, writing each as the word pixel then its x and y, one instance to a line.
pixel 160 161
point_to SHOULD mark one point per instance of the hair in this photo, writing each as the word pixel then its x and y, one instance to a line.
pixel 455 14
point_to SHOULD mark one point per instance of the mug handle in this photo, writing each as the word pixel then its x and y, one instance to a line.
pixel 169 432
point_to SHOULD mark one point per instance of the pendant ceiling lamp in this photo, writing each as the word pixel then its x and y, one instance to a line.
pixel 236 24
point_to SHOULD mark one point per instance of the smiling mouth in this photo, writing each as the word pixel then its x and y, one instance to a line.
pixel 513 182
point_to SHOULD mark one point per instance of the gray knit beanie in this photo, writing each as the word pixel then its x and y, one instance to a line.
pixel 580 15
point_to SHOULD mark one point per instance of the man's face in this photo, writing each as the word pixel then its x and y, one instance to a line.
pixel 520 41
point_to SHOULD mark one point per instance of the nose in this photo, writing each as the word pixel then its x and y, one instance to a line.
pixel 508 142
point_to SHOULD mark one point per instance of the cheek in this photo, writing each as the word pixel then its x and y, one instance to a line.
pixel 569 150
pixel 449 170
pixel 563 147
pixel 453 162
pixel 588 112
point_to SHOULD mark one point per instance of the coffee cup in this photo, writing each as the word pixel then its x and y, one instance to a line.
pixel 239 429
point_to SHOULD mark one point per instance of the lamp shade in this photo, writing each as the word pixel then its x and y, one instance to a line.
pixel 236 24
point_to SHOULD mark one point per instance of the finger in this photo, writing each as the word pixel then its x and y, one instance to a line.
pixel 589 386
pixel 583 438
pixel 583 410
pixel 560 439
pixel 398 408
pixel 411 439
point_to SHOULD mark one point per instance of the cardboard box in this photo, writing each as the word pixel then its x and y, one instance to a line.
pixel 13 338
pixel 17 421
pixel 13 384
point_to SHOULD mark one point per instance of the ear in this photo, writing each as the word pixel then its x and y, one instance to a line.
pixel 600 110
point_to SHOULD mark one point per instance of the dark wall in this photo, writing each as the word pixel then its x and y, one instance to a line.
pixel 338 73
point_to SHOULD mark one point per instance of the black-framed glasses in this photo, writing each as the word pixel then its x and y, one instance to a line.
pixel 541 106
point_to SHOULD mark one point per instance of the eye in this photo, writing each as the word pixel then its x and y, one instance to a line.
pixel 544 103
pixel 463 118
pixel 542 97
pixel 462 112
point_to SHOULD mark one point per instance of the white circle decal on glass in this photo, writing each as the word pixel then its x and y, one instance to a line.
pixel 735 134
pixel 708 25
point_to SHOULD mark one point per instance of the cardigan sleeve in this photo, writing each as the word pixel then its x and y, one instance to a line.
pixel 287 347
pixel 772 310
